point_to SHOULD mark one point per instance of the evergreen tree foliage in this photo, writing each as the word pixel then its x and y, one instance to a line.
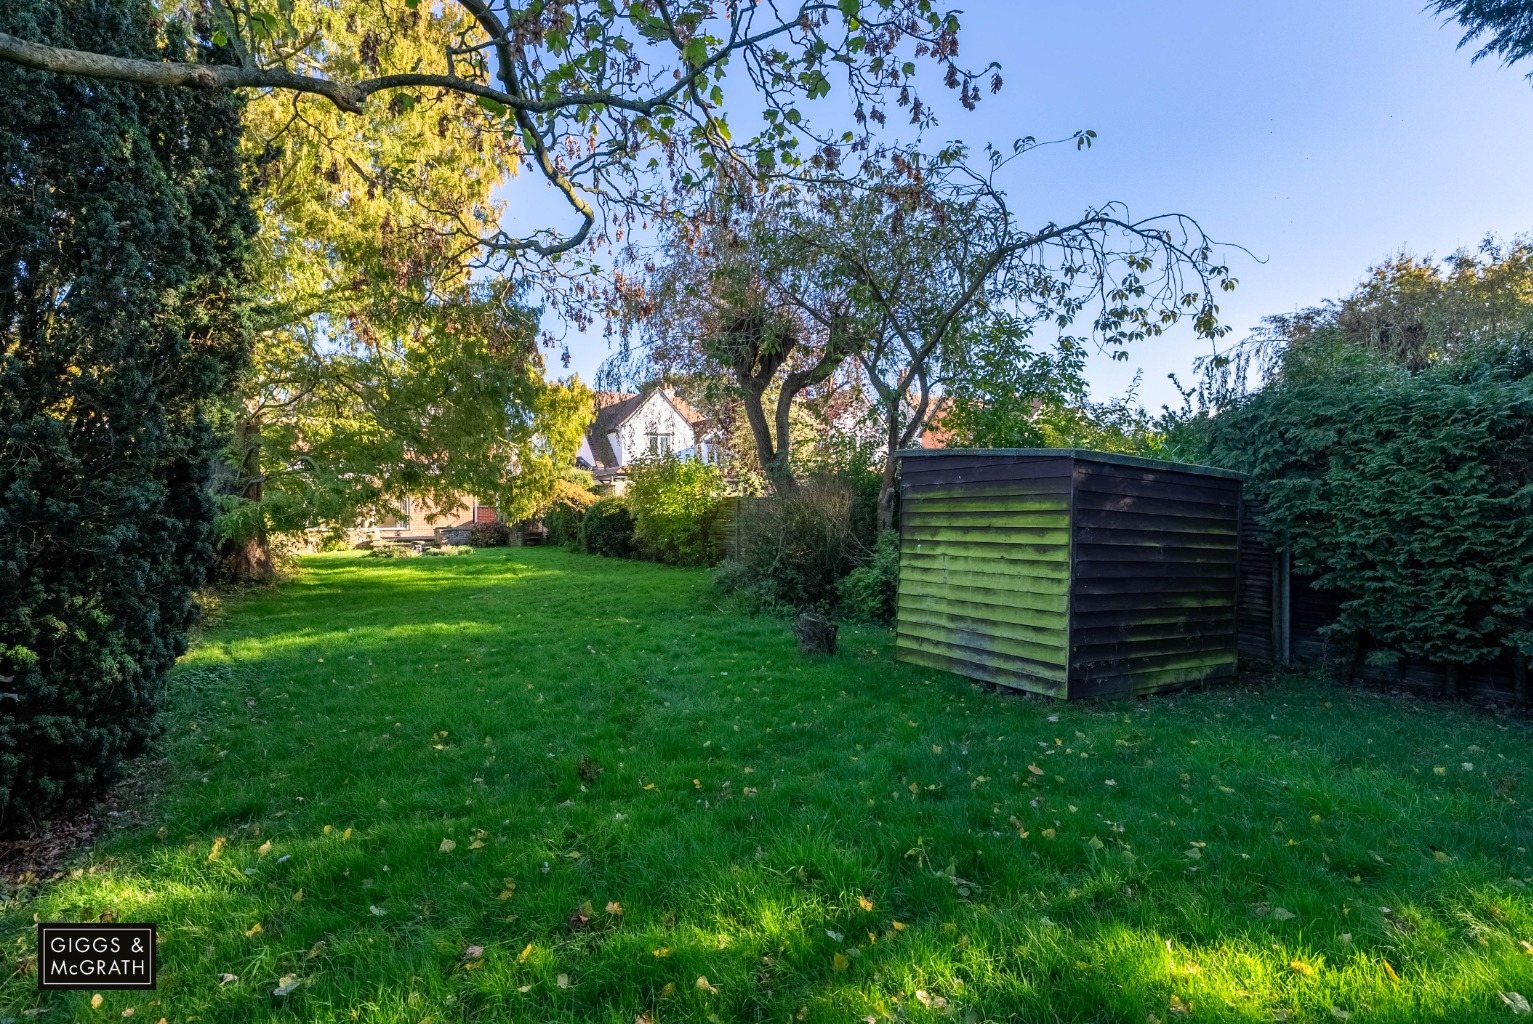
pixel 123 225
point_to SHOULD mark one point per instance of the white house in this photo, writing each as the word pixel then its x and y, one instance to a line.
pixel 629 427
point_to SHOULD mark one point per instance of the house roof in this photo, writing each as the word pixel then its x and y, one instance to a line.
pixel 614 408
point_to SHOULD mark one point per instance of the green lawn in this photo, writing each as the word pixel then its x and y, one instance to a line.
pixel 532 785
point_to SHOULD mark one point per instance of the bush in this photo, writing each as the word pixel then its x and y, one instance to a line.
pixel 675 504
pixel 795 547
pixel 562 517
pixel 1410 494
pixel 121 293
pixel 489 535
pixel 607 529
pixel 871 591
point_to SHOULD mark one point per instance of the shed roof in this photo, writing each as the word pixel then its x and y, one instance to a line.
pixel 1082 454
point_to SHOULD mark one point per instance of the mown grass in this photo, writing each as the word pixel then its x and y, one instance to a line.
pixel 788 839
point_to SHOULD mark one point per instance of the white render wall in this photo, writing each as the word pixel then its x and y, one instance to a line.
pixel 631 440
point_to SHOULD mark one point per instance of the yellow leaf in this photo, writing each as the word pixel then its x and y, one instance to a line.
pixel 477 844
pixel 1439 771
pixel 447 846
pixel 1441 856
pixel 897 926
pixel 915 787
pixel 1300 967
pixel 346 834
pixel 865 903
pixel 506 894
pixel 218 848
pixel 255 929
pixel 524 988
pixel 1390 971
pixel 650 786
pixel 1035 769
pixel 662 952
pixel 936 749
pixel 329 829
pixel 615 908
pixel 1049 833
pixel 95 1001
pixel 840 962
pixel 669 990
pixel 702 984
pixel 1095 843
pixel 525 954
pixel 574 855
pixel 298 896
pixel 264 848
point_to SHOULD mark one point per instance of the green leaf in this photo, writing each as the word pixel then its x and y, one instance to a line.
pixel 696 53
pixel 219 39
pixel 849 7
pixel 494 106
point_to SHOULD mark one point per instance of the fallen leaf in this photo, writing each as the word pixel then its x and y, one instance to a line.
pixel 580 916
pixel 95 1001
pixel 315 950
pixel 1518 1004
pixel 839 962
pixel 865 903
pixel 298 896
pixel 524 988
pixel 473 952
pixel 477 844
pixel 1035 769
pixel 899 927
pixel 254 929
pixel 1300 967
pixel 286 985
pixel 1282 914
pixel 563 981
pixel 1439 771
pixel 668 991
pixel 663 952
pixel 1179 1008
pixel 218 848
pixel 264 848
pixel 1389 970
pixel 447 846
pixel 225 979
pixel 615 908
pixel 525 954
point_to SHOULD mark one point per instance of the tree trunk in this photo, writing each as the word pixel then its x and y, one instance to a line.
pixel 1520 676
pixel 243 559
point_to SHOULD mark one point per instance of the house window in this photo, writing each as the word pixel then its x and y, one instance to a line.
pixel 659 443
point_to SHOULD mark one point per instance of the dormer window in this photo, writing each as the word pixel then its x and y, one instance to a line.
pixel 659 441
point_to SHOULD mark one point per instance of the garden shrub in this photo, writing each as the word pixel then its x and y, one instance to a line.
pixel 123 231
pixel 489 535
pixel 675 504
pixel 562 517
pixel 1409 494
pixel 607 528
pixel 870 591
pixel 795 547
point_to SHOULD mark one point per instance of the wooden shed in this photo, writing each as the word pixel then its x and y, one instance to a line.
pixel 1067 572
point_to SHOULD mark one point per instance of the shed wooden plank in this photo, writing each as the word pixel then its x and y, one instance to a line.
pixel 1001 583
pixel 959 648
pixel 974 670
pixel 921 518
pixel 1030 618
pixel 978 643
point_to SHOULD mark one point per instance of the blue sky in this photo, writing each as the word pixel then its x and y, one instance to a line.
pixel 1322 136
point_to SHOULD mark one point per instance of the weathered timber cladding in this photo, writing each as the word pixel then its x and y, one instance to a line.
pixel 985 568
pixel 1153 592
pixel 1068 573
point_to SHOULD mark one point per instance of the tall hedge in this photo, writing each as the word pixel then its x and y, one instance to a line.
pixel 1409 494
pixel 123 225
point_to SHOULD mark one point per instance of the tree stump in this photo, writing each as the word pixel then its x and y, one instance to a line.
pixel 816 634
